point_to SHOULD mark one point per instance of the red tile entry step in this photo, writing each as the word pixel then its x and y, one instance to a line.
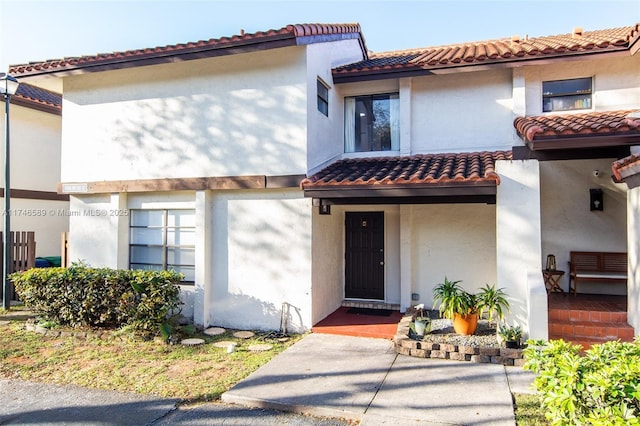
pixel 588 319
pixel 359 323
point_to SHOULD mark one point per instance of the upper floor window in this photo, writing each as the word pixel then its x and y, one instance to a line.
pixel 323 98
pixel 372 123
pixel 162 240
pixel 566 95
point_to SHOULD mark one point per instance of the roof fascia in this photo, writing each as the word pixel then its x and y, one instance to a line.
pixel 31 104
pixel 156 58
pixel 400 191
pixel 573 142
pixel 377 200
pixel 513 62
pixel 525 153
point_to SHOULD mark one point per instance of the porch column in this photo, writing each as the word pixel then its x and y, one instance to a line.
pixel 406 212
pixel 120 223
pixel 518 242
pixel 203 261
pixel 633 249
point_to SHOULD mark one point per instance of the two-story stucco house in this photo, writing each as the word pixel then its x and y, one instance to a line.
pixel 35 126
pixel 286 172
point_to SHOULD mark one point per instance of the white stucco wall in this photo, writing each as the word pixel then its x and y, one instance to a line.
pixel 567 222
pixel 35 148
pixel 325 133
pixel 328 262
pixel 633 247
pixel 457 241
pixel 616 82
pixel 469 111
pixel 261 259
pixel 35 165
pixel 92 239
pixel 233 115
pixel 518 243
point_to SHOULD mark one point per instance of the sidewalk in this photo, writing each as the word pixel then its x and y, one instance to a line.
pixel 364 379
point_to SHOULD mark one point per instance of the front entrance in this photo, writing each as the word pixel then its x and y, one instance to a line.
pixel 364 255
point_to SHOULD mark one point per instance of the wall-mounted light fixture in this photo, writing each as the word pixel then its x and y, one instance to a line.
pixel 324 209
pixel 596 199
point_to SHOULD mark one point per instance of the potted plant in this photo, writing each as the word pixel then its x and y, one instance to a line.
pixel 457 305
pixel 421 324
pixel 492 300
pixel 511 335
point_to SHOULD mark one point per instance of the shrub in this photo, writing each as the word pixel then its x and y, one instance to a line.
pixel 599 387
pixel 100 297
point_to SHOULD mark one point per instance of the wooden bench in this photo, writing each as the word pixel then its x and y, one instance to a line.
pixel 596 266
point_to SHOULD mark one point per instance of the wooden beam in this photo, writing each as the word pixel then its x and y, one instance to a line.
pixel 35 195
pixel 181 184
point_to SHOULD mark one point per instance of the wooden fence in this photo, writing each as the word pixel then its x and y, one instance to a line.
pixel 22 254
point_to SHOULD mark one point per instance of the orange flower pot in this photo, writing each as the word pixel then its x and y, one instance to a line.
pixel 465 324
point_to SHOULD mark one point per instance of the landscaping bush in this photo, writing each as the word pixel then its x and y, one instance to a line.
pixel 100 297
pixel 599 387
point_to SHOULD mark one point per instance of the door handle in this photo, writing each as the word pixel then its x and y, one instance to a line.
pixel 381 263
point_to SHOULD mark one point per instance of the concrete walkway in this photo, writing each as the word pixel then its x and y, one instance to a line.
pixel 334 378
pixel 364 379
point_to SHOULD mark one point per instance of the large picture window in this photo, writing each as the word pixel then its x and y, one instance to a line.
pixel 566 95
pixel 163 240
pixel 372 123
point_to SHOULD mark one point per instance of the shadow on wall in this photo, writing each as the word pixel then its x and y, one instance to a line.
pixel 238 311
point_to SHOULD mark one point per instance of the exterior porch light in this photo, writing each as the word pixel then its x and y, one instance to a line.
pixel 8 87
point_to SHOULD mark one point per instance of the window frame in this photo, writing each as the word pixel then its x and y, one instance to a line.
pixel 582 98
pixel 164 245
pixel 353 143
pixel 322 91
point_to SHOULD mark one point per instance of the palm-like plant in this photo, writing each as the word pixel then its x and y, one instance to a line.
pixel 453 299
pixel 492 300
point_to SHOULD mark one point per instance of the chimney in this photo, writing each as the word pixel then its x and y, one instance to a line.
pixel 577 32
pixel 241 31
pixel 515 39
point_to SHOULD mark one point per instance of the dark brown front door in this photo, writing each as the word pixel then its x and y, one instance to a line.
pixel 364 255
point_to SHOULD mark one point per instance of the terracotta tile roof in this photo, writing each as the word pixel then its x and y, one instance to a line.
pixel 494 51
pixel 34 97
pixel 626 167
pixel 459 168
pixel 603 123
pixel 298 34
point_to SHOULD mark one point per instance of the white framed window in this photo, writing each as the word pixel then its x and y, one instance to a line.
pixel 372 123
pixel 323 98
pixel 567 95
pixel 163 239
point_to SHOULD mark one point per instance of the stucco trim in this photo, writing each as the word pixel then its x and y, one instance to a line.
pixel 181 184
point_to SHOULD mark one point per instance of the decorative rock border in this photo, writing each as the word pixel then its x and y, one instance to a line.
pixel 405 345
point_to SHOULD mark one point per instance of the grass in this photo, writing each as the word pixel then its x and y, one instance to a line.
pixel 198 373
pixel 191 373
pixel 528 410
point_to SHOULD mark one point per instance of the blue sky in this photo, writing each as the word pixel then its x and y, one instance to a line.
pixel 34 30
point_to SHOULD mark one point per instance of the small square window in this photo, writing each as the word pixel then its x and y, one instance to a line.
pixel 323 98
pixel 566 95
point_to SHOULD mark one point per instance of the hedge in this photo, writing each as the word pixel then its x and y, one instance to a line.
pixel 100 297
pixel 598 387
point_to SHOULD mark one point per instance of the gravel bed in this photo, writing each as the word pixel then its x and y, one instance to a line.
pixel 442 332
